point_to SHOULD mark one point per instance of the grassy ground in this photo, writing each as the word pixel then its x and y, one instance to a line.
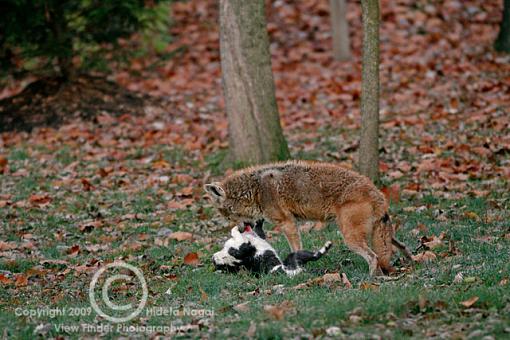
pixel 68 208
pixel 76 198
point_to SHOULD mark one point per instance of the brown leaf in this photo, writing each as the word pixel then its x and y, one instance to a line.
pixel 182 179
pixel 368 286
pixel 4 203
pixel 176 205
pixel 346 281
pixel 133 245
pixel 330 278
pixel 242 307
pixel 426 256
pixel 191 259
pixel 277 312
pixel 88 226
pixel 40 200
pixel 433 242
pixel 73 251
pixel 160 164
pixel 392 193
pixel 7 246
pixel 87 186
pixel 469 302
pixel 20 280
pixel 251 330
pixel 3 164
pixel 187 191
pixel 181 236
pixel 5 280
pixel 203 295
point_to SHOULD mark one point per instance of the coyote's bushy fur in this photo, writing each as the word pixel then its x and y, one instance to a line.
pixel 283 192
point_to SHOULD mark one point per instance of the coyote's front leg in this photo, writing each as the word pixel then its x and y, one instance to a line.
pixel 291 232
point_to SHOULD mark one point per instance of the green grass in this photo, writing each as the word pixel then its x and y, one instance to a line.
pixel 423 301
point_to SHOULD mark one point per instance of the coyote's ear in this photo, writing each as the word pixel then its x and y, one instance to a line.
pixel 215 191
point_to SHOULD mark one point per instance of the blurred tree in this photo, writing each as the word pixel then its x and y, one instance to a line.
pixel 340 30
pixel 255 133
pixel 502 43
pixel 58 30
pixel 368 162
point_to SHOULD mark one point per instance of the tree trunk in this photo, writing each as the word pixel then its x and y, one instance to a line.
pixel 255 133
pixel 340 30
pixel 369 141
pixel 58 25
pixel 502 43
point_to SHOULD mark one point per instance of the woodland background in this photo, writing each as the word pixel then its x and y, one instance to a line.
pixel 93 171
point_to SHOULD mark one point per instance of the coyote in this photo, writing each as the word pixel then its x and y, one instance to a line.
pixel 286 191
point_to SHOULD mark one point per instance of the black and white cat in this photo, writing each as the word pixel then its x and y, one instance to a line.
pixel 250 250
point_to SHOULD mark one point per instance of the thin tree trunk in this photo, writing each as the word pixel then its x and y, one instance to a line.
pixel 340 30
pixel 58 26
pixel 502 43
pixel 369 141
pixel 255 133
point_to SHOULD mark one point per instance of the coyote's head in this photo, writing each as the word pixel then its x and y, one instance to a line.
pixel 235 199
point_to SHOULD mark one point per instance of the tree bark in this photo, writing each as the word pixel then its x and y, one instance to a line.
pixel 369 141
pixel 502 43
pixel 255 133
pixel 340 30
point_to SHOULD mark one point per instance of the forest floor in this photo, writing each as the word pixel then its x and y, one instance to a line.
pixel 128 187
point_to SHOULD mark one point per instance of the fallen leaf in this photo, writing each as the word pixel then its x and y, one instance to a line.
pixel 346 281
pixel 73 251
pixel 277 312
pixel 368 286
pixel 191 259
pixel 458 278
pixel 87 186
pixel 472 215
pixel 426 256
pixel 88 226
pixel 3 164
pixel 203 295
pixel 334 331
pixel 392 193
pixel 5 280
pixel 181 236
pixel 250 333
pixel 182 179
pixel 133 245
pixel 242 307
pixel 469 302
pixel 160 164
pixel 188 191
pixel 330 278
pixel 422 302
pixel 175 205
pixel 503 282
pixel 40 200
pixel 7 246
pixel 20 280
pixel 432 242
pixel 4 203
